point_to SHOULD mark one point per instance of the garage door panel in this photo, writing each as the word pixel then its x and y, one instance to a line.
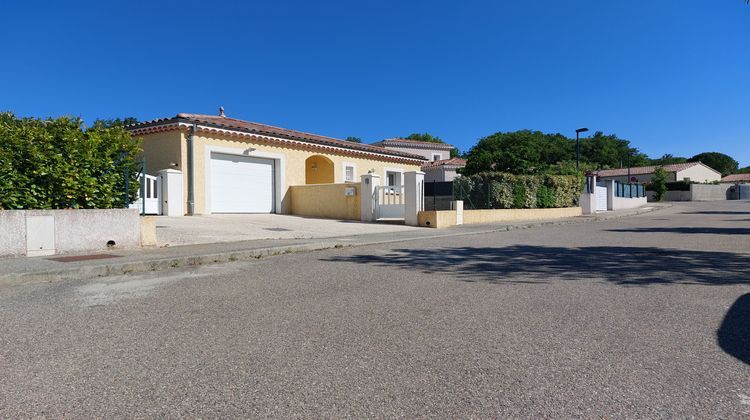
pixel 241 184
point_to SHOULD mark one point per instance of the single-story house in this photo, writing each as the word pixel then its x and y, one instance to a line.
pixel 690 171
pixel 235 166
pixel 429 150
pixel 442 170
pixel 737 179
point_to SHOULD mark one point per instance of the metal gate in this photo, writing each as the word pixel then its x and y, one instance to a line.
pixel 601 198
pixel 389 202
pixel 152 203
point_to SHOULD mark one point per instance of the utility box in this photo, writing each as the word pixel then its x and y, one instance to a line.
pixel 40 236
pixel 171 192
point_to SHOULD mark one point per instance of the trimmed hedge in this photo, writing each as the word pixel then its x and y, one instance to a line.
pixel 498 190
pixel 57 164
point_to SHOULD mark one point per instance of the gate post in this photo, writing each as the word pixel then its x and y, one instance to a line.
pixel 367 192
pixel 170 196
pixel 414 196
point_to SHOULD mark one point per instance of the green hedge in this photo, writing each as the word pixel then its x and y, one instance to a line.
pixel 497 190
pixel 57 164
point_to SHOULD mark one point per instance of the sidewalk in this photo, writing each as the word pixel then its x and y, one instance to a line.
pixel 44 269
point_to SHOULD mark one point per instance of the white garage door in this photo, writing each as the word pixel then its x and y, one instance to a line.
pixel 241 184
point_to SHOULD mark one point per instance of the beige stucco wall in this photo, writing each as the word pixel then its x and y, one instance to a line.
pixel 326 200
pixel 437 219
pixel 699 173
pixel 447 218
pixel 164 148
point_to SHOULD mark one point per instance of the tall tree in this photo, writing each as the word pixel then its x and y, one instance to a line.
pixel 528 152
pixel 718 161
pixel 353 139
pixel 668 159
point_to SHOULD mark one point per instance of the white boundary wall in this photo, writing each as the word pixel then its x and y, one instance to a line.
pixel 49 232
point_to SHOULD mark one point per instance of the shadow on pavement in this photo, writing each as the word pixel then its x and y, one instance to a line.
pixel 734 334
pixel 639 266
pixel 717 212
pixel 690 230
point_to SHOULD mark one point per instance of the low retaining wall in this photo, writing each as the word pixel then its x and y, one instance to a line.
pixel 447 218
pixel 624 203
pixel 329 201
pixel 49 232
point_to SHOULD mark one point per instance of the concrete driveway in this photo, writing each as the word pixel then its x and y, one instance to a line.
pixel 173 231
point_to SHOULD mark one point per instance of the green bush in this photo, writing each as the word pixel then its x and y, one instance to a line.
pixel 57 164
pixel 545 197
pixel 502 190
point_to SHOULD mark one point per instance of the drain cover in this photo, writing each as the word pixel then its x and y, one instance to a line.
pixel 83 257
pixel 278 229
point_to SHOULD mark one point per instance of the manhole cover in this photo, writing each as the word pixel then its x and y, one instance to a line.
pixel 278 229
pixel 83 257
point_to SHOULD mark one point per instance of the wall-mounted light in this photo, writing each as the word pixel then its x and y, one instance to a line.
pixel 248 151
pixel 173 164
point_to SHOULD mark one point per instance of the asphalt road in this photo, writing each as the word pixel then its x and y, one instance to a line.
pixel 641 317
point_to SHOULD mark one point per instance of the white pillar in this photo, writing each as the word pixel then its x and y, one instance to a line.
pixel 367 191
pixel 588 199
pixel 458 205
pixel 171 192
pixel 414 196
pixel 610 183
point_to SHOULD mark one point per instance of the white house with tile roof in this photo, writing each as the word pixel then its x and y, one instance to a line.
pixel 690 171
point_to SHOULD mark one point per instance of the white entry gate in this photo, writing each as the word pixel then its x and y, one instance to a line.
pixel 152 186
pixel 601 198
pixel 389 202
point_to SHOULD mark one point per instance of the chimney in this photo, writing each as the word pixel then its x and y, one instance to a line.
pixel 221 111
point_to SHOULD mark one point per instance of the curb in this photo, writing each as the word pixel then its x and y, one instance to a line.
pixel 160 264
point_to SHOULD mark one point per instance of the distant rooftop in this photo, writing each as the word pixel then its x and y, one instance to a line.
pixel 736 178
pixel 399 142
pixel 645 170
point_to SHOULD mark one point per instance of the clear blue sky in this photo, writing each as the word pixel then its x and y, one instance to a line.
pixel 672 76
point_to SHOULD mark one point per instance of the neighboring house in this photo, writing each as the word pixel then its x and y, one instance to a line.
pixel 691 172
pixel 236 166
pixel 442 170
pixel 737 179
pixel 429 150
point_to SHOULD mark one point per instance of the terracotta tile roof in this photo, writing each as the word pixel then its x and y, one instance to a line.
pixel 736 178
pixel 645 170
pixel 399 142
pixel 452 162
pixel 264 129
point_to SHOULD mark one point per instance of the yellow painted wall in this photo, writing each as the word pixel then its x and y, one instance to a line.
pixel 437 219
pixel 319 170
pixel 441 219
pixel 326 200
pixel 162 149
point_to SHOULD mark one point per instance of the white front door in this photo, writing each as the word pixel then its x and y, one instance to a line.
pixel 241 184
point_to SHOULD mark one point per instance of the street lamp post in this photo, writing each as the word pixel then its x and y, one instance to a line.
pixel 578 146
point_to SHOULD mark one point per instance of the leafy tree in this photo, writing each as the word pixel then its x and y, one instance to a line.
pixel 532 152
pixel 718 161
pixel 659 183
pixel 427 137
pixel 745 170
pixel 353 139
pixel 668 159
pixel 56 163
pixel 455 152
pixel 117 122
